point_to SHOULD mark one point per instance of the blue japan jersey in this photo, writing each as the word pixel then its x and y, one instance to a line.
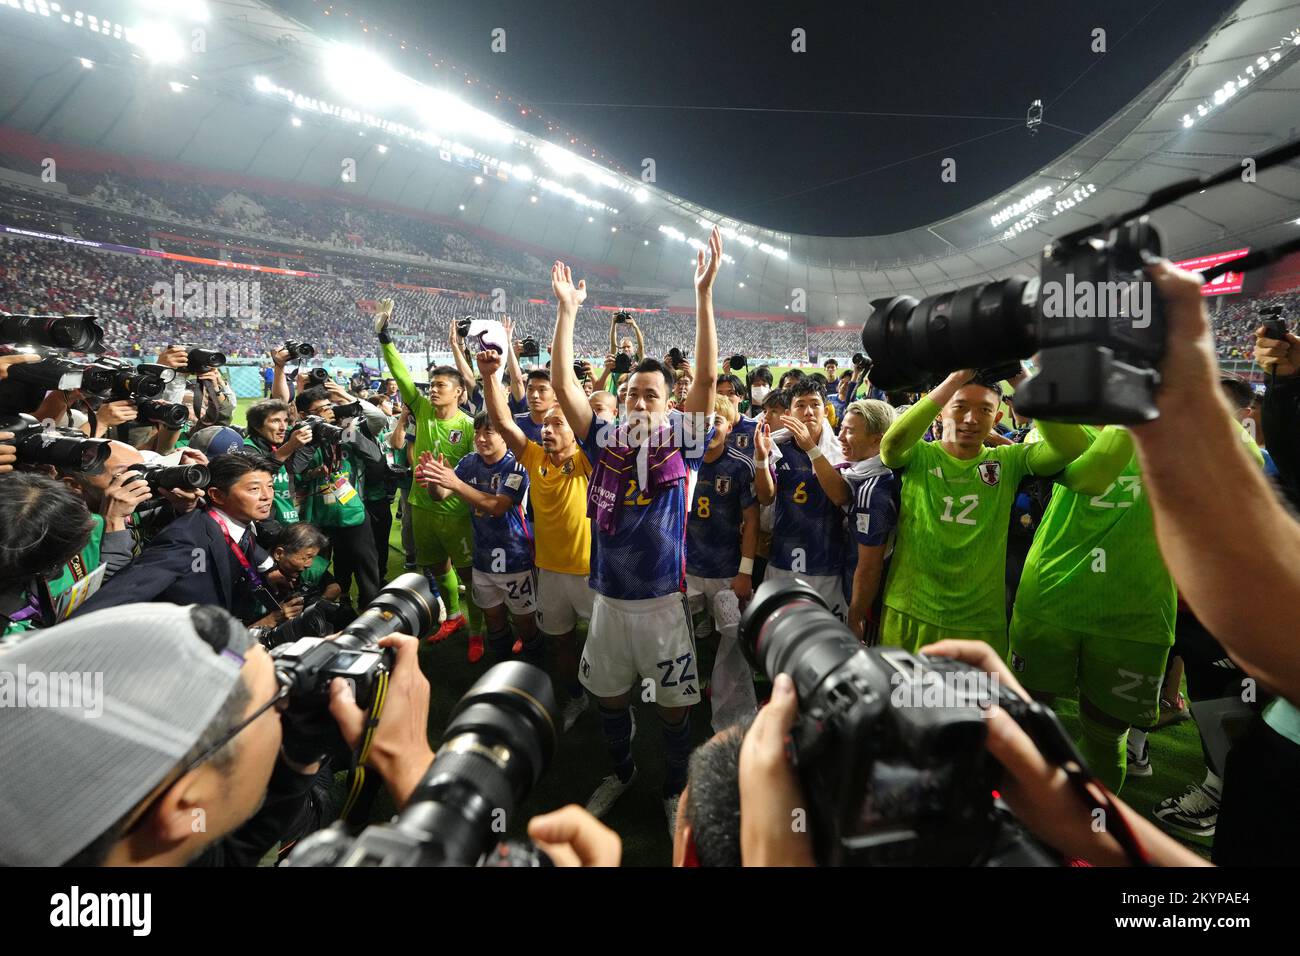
pixel 723 490
pixel 871 518
pixel 741 437
pixel 808 529
pixel 646 555
pixel 502 545
pixel 532 431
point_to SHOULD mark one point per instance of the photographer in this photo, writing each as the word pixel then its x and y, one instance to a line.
pixel 1280 415
pixel 269 435
pixel 303 578
pixel 208 556
pixel 222 712
pixel 1232 558
pixel 334 484
pixel 53 553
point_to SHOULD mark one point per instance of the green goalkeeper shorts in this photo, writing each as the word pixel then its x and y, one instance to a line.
pixel 439 536
pixel 902 630
pixel 1121 678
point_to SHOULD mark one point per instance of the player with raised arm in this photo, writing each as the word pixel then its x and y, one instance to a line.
pixel 443 533
pixel 494 484
pixel 808 537
pixel 947 574
pixel 641 487
pixel 558 474
pixel 721 541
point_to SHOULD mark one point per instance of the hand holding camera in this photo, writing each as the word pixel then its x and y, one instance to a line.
pixel 8 360
pixel 400 751
pixel 770 796
pixel 1277 350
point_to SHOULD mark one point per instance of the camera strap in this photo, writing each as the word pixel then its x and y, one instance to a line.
pixel 357 783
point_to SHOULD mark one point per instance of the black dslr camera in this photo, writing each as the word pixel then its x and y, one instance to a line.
pixel 889 745
pixel 116 381
pixel 1092 315
pixel 173 477
pixel 322 432
pixel 306 666
pixel 198 361
pixel 530 349
pixel 1274 324
pixel 299 350
pixel 173 415
pixel 622 363
pixel 64 448
pixel 499 741
pixel 68 333
pixel 317 376
pixel 736 362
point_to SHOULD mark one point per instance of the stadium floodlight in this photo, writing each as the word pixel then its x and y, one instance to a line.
pixel 296 120
pixel 363 77
pixel 591 219
pixel 156 41
pixel 645 242
pixel 840 323
pixel 1187 121
pixel 178 87
pixel 462 207
pixel 87 64
pixel 478 180
pixel 532 199
pixel 263 84
pixel 640 195
pixel 522 173
pixel 613 228
pixel 742 285
pixel 560 159
pixel 382 148
pixel 189 9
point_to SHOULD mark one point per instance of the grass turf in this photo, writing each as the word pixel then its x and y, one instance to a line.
pixel 580 760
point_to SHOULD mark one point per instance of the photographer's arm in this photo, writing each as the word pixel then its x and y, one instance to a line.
pixel 770 795
pixel 1040 792
pixel 1232 556
pixel 400 751
pixel 279 384
pixel 640 341
pixel 1280 416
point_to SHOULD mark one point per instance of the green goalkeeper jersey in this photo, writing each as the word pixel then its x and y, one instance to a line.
pixel 453 437
pixel 1095 565
pixel 949 562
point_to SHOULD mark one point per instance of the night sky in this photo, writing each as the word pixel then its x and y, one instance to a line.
pixel 801 171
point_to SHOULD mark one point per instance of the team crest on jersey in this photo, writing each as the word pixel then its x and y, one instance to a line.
pixel 454 436
pixel 568 467
pixel 723 484
pixel 990 472
pixel 1017 663
pixel 742 441
pixel 495 483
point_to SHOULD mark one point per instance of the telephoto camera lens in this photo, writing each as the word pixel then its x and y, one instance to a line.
pixel 72 333
pixel 499 742
pixel 406 605
pixel 203 360
pixel 171 414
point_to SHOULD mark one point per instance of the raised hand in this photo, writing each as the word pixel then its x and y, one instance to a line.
pixel 489 363
pixel 1280 356
pixel 706 271
pixel 763 441
pixel 566 293
pixel 796 427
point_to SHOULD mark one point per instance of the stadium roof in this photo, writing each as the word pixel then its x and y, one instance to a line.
pixel 233 86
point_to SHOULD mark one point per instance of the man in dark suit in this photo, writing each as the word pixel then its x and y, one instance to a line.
pixel 209 556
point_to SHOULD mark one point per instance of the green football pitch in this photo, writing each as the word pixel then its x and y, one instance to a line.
pixel 580 759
